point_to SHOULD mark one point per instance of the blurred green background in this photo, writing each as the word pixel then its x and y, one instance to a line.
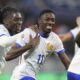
pixel 40 76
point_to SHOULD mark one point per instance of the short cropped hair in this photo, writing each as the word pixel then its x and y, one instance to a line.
pixel 42 13
pixel 45 11
pixel 6 11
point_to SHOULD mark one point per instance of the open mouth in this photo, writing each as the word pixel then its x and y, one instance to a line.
pixel 49 27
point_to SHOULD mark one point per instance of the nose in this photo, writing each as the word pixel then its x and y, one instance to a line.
pixel 19 22
pixel 51 22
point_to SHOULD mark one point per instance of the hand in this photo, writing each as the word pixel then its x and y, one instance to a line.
pixel 34 41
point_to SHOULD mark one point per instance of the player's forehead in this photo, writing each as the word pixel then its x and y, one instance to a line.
pixel 48 15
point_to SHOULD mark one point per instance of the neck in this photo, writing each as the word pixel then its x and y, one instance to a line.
pixel 43 34
pixel 10 31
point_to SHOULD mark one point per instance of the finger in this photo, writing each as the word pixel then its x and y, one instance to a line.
pixel 30 37
pixel 36 36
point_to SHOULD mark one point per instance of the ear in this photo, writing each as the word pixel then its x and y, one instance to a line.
pixel 40 21
pixel 6 20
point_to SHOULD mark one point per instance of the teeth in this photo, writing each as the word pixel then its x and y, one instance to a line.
pixel 49 27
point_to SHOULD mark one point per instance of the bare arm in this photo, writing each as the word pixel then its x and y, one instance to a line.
pixel 65 37
pixel 64 59
pixel 61 54
pixel 15 52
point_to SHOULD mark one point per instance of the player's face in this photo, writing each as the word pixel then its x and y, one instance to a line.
pixel 15 22
pixel 47 22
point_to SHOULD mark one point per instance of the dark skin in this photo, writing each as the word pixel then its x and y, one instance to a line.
pixel 49 20
pixel 15 52
pixel 67 37
pixel 13 22
pixel 45 25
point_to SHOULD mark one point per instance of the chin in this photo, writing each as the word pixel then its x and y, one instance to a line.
pixel 48 31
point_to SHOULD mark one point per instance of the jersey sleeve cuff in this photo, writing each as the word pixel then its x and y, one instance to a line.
pixel 61 51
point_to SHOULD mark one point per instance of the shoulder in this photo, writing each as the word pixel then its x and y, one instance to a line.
pixel 54 35
pixel 3 30
pixel 29 31
pixel 2 27
pixel 75 29
pixel 34 28
pixel 31 28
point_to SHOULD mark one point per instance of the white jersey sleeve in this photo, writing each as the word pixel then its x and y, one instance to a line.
pixel 5 38
pixel 22 40
pixel 3 31
pixel 58 45
pixel 74 32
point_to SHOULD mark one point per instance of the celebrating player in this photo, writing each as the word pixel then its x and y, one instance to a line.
pixel 73 70
pixel 11 19
pixel 48 43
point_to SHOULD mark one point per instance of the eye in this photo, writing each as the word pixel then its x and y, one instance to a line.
pixel 53 19
pixel 50 19
pixel 47 19
pixel 18 19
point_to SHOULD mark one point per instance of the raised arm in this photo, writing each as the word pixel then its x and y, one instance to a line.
pixel 15 52
pixel 71 35
pixel 65 37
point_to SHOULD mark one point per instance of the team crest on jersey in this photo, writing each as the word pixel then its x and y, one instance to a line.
pixel 49 46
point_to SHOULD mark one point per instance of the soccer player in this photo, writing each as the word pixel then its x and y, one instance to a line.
pixel 72 34
pixel 11 19
pixel 11 24
pixel 74 68
pixel 32 59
